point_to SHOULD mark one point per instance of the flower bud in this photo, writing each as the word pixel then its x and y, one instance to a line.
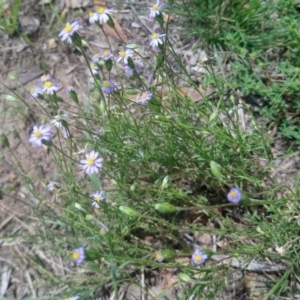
pixel 4 140
pixel 215 170
pixel 166 208
pixel 128 211
pixel 184 277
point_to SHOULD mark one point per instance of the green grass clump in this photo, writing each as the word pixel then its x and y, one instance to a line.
pixel 263 40
pixel 168 167
pixel 9 17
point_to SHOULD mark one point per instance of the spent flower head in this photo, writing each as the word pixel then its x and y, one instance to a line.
pixel 156 40
pixel 145 98
pixel 39 134
pixel 35 92
pixel 70 89
pixel 98 133
pixel 92 164
pixel 97 198
pixel 52 185
pixel 103 14
pixel 104 230
pixel 65 132
pixel 134 67
pixel 198 258
pixel 93 69
pixel 106 55
pixel 159 256
pixel 109 87
pixel 50 88
pixel 79 255
pixel 45 78
pixel 234 196
pixel 69 31
pixel 96 57
pixel 123 55
pixel 59 119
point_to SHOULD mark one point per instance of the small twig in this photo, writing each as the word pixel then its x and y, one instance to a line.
pixel 142 21
pixel 143 283
pixel 27 275
pixel 6 221
pixel 252 267
pixel 5 279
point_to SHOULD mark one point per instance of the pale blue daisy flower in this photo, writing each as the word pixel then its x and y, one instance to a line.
pixel 145 98
pixel 79 255
pixel 103 14
pixel 39 134
pixel 234 196
pixel 198 258
pixel 98 197
pixel 69 30
pixel 92 164
pixel 159 256
pixel 156 40
pixel 109 87
pixel 50 88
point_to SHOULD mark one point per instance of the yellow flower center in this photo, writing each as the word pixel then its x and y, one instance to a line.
pixel 96 55
pixel 44 77
pixel 68 298
pixel 97 198
pixel 144 96
pixel 155 36
pixel 233 195
pixel 198 258
pixel 68 28
pixel 106 53
pixel 155 7
pixel 92 67
pixel 159 256
pixel 106 84
pixel 48 84
pixel 123 54
pixel 90 161
pixel 91 14
pixel 38 134
pixel 32 90
pixel 101 10
pixel 76 255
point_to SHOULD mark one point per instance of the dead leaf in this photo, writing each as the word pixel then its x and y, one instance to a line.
pixel 52 44
pixel 168 18
pixel 116 32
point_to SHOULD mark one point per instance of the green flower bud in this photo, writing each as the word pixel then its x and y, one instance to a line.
pixel 89 217
pixel 184 277
pixel 4 140
pixel 128 211
pixel 166 208
pixel 215 170
pixel 131 92
pixel 92 254
pixel 168 255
